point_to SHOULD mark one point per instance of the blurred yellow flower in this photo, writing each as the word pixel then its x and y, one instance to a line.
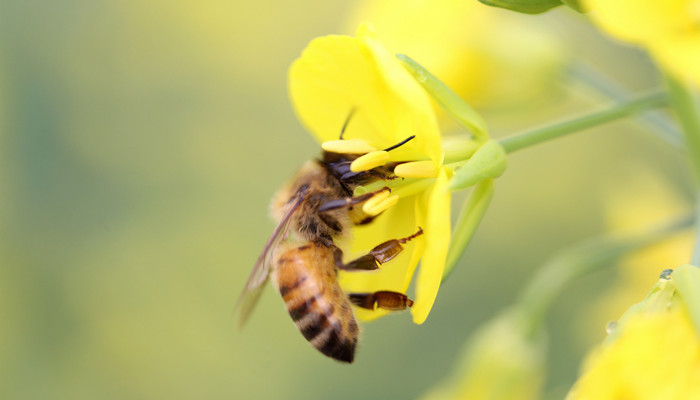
pixel 489 57
pixel 644 202
pixel 669 29
pixel 652 353
pixel 339 75
pixel 499 362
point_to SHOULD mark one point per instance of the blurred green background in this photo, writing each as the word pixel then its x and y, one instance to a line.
pixel 140 143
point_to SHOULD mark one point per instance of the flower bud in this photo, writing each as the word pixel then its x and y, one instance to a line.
pixel 488 162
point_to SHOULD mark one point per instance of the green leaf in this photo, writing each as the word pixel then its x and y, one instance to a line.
pixel 524 6
pixel 457 108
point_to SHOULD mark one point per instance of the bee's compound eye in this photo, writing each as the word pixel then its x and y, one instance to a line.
pixel 350 146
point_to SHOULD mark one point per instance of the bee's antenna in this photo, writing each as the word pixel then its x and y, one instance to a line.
pixel 347 121
pixel 403 142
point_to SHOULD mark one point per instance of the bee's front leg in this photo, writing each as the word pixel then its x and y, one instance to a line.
pixel 379 254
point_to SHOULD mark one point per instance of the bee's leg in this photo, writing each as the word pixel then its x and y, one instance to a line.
pixel 384 299
pixel 349 201
pixel 379 254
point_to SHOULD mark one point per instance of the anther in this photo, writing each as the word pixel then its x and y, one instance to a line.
pixel 350 146
pixel 373 201
pixel 416 169
pixel 370 160
pixel 383 202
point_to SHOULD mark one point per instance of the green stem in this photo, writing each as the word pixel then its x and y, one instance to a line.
pixel 587 256
pixel 660 124
pixel 540 135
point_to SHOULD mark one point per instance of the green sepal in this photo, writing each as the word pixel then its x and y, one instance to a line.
pixel 457 108
pixel 524 6
pixel 469 218
pixel 487 163
pixel 687 280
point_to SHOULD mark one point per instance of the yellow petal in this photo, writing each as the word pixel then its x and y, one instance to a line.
pixel 351 146
pixel 418 117
pixel 437 240
pixel 322 100
pixel 633 365
pixel 338 74
pixel 397 222
pixel 485 55
pixel 681 56
pixel 642 21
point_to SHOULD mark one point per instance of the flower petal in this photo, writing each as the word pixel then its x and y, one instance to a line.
pixel 641 21
pixel 348 146
pixel 397 222
pixel 338 74
pixel 412 97
pixel 632 366
pixel 681 56
pixel 437 240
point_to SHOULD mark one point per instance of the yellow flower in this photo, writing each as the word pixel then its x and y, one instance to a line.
pixel 644 202
pixel 339 75
pixel 654 350
pixel 500 362
pixel 490 58
pixel 669 29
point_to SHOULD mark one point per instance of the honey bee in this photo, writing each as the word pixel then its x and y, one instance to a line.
pixel 314 210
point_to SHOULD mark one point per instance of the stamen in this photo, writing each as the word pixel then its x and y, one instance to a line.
pixel 416 169
pixel 350 146
pixel 370 160
pixel 373 208
pixel 375 200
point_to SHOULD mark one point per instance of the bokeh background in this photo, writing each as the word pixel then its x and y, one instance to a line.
pixel 140 143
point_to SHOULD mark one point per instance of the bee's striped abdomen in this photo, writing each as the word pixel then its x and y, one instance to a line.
pixel 305 277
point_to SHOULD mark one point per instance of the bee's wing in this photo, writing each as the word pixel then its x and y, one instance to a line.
pixel 258 277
